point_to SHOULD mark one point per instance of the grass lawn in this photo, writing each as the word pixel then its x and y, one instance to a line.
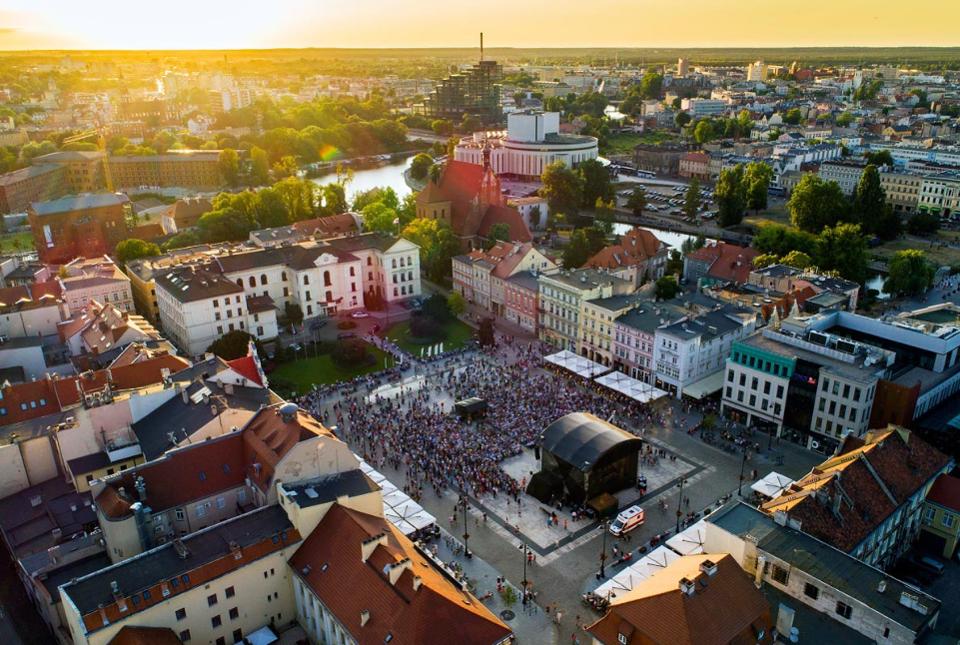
pixel 457 333
pixel 16 242
pixel 941 255
pixel 303 373
pixel 625 142
pixel 776 215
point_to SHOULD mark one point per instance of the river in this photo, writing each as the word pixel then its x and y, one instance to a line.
pixel 364 179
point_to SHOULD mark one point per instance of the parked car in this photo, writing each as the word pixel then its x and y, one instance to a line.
pixel 360 314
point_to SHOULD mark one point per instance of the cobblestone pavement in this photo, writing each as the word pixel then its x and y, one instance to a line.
pixel 567 567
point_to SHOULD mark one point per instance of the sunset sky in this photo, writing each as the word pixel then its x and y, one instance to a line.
pixel 219 24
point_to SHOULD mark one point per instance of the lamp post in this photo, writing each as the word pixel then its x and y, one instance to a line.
pixel 466 534
pixel 603 551
pixel 526 551
pixel 680 502
pixel 743 462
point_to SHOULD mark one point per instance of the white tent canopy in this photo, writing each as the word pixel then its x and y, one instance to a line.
pixel 771 486
pixel 636 573
pixel 577 364
pixel 636 390
pixel 398 508
pixel 689 541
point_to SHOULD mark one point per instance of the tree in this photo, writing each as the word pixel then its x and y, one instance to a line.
pixel 485 333
pixel 845 119
pixel 583 244
pixel 816 204
pixel 596 184
pixel 730 196
pixel 499 232
pixel 793 116
pixel 132 249
pixel 456 303
pixel 682 120
pixel 868 197
pixel 603 216
pixel 387 196
pixel 703 131
pixel 562 188
pixel 666 288
pixel 442 126
pixel 438 245
pixel 797 259
pixel 229 164
pixel 842 248
pixel 226 225
pixel 674 264
pixel 299 196
pixel 286 167
pixel 909 273
pixel 923 223
pixel 270 210
pixel 379 217
pixel 691 202
pixel 293 313
pixel 637 201
pixel 259 167
pixel 744 122
pixel 765 259
pixel 651 85
pixel 334 199
pixel 879 158
pixel 233 344
pixel 757 176
pixel 781 240
pixel 420 166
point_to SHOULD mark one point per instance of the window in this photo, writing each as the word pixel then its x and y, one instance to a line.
pixel 811 591
pixel 326 279
pixel 947 520
pixel 185 636
pixel 221 503
pixel 181 614
pixel 306 279
pixel 780 575
pixel 146 594
pixel 263 279
pixel 229 592
pixel 185 578
pixel 211 600
pixel 237 635
pixel 843 609
pixel 234 613
pixel 221 641
pixel 216 621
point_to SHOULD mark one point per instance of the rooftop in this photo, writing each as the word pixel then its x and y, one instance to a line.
pixel 79 202
pixel 323 490
pixel 825 563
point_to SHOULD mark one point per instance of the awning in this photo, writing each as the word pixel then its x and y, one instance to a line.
pixel 398 508
pixel 690 540
pixel 646 567
pixel 705 386
pixel 577 364
pixel 631 387
pixel 771 486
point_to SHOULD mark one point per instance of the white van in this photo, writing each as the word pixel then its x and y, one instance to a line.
pixel 627 521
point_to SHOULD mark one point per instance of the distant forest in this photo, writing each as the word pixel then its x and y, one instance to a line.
pixel 434 62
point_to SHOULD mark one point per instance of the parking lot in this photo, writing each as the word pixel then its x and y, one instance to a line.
pixel 668 200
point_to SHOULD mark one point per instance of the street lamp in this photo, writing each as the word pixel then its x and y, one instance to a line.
pixel 680 502
pixel 466 535
pixel 603 552
pixel 526 552
pixel 743 462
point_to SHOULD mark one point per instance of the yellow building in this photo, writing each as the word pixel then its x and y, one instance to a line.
pixel 940 529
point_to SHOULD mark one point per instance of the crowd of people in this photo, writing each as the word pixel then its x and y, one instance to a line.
pixel 414 431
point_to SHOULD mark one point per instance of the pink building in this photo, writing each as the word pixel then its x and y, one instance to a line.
pixel 522 301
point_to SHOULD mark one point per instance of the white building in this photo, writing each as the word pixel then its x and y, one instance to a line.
pixel 531 143
pixel 693 350
pixel 703 107
pixel 757 71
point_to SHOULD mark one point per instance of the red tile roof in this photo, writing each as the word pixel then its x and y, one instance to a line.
pixel 845 498
pixel 145 636
pixel 330 225
pixel 724 607
pixel 505 215
pixel 696 157
pixel 946 492
pixel 636 246
pixel 246 367
pixel 437 612
pixel 39 398
pixel 727 261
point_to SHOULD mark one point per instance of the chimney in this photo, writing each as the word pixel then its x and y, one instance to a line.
pixel 371 543
pixel 687 586
pixel 708 567
pixel 185 396
pixel 364 617
pixel 881 586
pixel 780 517
pixel 758 574
pixel 417 581
pixel 141 487
pixel 114 588
pixel 394 570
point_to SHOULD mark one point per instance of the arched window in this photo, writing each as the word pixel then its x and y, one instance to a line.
pixel 283 276
pixel 329 296
pixel 353 271
pixel 326 279
pixel 239 283
pixel 393 263
pixel 306 279
pixel 253 281
pixel 263 278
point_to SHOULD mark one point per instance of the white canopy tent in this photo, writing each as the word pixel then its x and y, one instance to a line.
pixel 577 364
pixel 771 486
pixel 398 508
pixel 689 541
pixel 636 573
pixel 636 390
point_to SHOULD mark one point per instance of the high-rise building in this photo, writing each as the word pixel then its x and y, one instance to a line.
pixel 683 67
pixel 472 92
pixel 757 71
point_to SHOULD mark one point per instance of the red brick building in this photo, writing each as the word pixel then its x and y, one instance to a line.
pixel 78 226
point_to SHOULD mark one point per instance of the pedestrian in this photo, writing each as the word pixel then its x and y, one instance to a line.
pixel 559 616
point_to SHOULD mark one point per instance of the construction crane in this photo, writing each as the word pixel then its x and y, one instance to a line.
pixel 102 145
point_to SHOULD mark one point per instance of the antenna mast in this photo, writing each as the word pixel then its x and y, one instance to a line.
pixel 481 46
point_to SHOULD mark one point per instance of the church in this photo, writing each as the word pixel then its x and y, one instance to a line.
pixel 469 199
